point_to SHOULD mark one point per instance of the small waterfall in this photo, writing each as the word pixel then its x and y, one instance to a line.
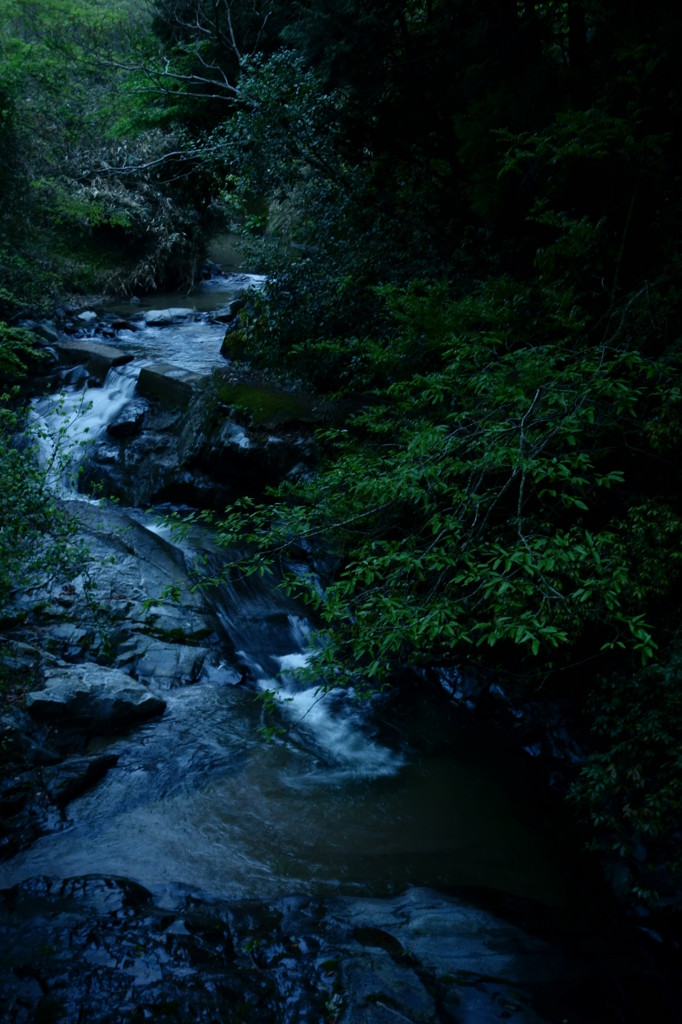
pixel 68 423
pixel 272 639
pixel 335 722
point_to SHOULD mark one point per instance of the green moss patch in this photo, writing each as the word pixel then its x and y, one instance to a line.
pixel 268 406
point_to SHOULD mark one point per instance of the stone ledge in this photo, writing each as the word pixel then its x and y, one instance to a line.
pixel 92 698
pixel 171 385
pixel 96 357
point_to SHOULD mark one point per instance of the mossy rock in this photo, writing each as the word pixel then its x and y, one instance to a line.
pixel 233 347
pixel 264 405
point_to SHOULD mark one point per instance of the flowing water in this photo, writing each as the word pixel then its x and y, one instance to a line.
pixel 353 797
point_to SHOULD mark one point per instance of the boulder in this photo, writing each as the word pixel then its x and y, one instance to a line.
pixel 249 459
pixel 118 594
pixel 160 663
pixel 136 471
pixel 74 375
pixel 20 745
pixel 166 317
pixel 229 312
pixel 93 698
pixel 269 407
pixel 65 781
pixel 128 421
pixel 47 331
pixel 171 385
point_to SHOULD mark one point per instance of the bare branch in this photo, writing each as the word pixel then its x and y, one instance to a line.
pixel 231 28
pixel 158 75
pixel 137 168
pixel 522 446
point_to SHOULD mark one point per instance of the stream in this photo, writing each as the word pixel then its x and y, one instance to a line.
pixel 372 803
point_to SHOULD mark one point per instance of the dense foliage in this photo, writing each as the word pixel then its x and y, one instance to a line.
pixel 475 215
pixel 37 537
pixel 99 187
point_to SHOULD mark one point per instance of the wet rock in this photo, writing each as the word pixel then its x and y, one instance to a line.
pixel 381 989
pixel 166 317
pixel 423 950
pixel 128 421
pixel 209 269
pixel 135 470
pixel 227 315
pixel 449 935
pixel 74 776
pixel 98 949
pixel 102 950
pixel 15 790
pixel 187 449
pixel 25 813
pixel 161 664
pixel 24 755
pixel 66 639
pixel 249 459
pixel 93 698
pixel 177 625
pixel 46 330
pixel 20 742
pixel 113 612
pixel 74 376
pixel 129 569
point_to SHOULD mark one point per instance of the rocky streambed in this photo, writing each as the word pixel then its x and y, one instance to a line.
pixel 379 862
